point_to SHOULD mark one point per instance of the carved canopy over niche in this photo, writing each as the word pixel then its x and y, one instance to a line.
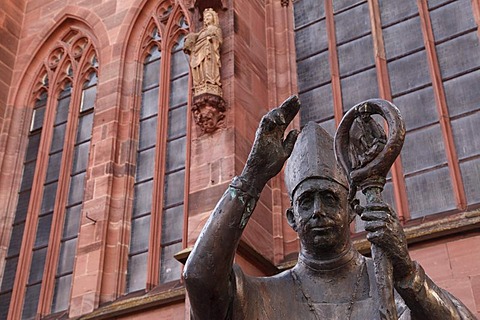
pixel 203 4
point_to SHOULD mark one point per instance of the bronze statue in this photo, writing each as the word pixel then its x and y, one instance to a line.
pixel 331 279
pixel 204 50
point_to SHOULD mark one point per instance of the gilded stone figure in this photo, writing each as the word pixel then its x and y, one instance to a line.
pixel 204 50
pixel 208 106
pixel 331 279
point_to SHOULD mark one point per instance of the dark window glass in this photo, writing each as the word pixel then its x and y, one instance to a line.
pixel 49 193
pixel 176 154
pixel 172 224
pixel 85 127
pixel 470 175
pixel 22 206
pixel 67 254
pixel 396 44
pixel 140 234
pixel 4 304
pixel 452 19
pixel 170 269
pixel 174 188
pixel 137 272
pixel 31 302
pixel 430 193
pixel 9 274
pixel 145 164
pixel 356 55
pixel 423 149
pixel 418 108
pixel 307 11
pixel 61 296
pixel 148 133
pixel 151 74
pixel 303 40
pixel 38 264
pixel 317 104
pixel 58 138
pixel 154 53
pixel 179 91
pixel 72 221
pixel 37 119
pixel 177 122
pixel 76 188
pixel 409 72
pixel 459 55
pixel 355 23
pixel 149 103
pixel 53 170
pixel 359 87
pixel 460 96
pixel 32 149
pixel 179 64
pixel 43 230
pixel 143 198
pixel 27 178
pixel 465 134
pixel 88 98
pixel 80 157
pixel 16 239
pixel 393 11
pixel 62 110
pixel 313 71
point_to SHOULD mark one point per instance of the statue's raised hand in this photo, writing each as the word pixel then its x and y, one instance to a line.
pixel 270 150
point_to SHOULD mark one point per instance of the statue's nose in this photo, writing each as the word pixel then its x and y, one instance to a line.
pixel 318 207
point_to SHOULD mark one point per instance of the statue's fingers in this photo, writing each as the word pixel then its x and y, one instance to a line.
pixel 375 216
pixel 289 109
pixel 373 226
pixel 376 236
pixel 289 141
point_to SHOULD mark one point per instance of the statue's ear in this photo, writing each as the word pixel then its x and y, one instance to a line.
pixel 291 218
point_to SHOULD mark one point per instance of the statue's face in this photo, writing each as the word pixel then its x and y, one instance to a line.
pixel 321 216
pixel 208 19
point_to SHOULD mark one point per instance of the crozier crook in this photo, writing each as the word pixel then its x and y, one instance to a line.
pixel 366 154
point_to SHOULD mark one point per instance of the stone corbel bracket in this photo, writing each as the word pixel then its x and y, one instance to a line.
pixel 209 112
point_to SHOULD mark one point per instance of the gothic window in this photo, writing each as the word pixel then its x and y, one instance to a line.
pixel 158 206
pixel 429 75
pixel 50 198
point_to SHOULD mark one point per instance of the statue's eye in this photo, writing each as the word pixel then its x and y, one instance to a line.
pixel 329 198
pixel 305 201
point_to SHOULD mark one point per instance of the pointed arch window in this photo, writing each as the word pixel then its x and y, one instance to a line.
pixel 159 205
pixel 48 213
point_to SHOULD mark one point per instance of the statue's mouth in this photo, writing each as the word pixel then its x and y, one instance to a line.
pixel 321 228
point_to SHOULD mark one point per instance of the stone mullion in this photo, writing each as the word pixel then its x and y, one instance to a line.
pixel 400 190
pixel 333 61
pixel 187 164
pixel 441 103
pixel 31 223
pixel 53 251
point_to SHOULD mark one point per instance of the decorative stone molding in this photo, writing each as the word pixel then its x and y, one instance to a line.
pixel 208 112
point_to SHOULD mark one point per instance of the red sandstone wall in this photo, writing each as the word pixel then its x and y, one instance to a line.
pixel 454 264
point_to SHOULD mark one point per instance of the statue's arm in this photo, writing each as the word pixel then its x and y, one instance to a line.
pixel 423 297
pixel 208 271
pixel 428 301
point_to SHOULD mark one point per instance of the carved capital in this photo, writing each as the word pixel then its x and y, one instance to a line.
pixel 208 112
